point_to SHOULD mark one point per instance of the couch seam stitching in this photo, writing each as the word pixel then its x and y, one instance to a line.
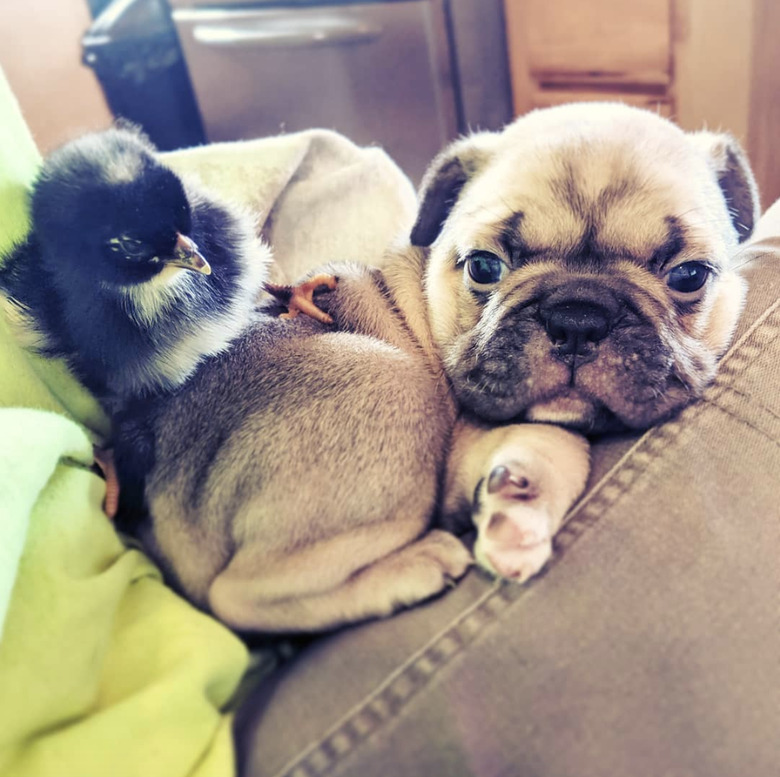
pixel 744 395
pixel 725 365
pixel 389 680
pixel 734 416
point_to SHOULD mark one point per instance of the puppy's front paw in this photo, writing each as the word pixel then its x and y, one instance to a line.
pixel 447 552
pixel 513 520
pixel 428 566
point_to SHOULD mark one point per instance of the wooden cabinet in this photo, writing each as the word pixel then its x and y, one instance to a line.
pixel 565 50
pixel 567 41
pixel 764 100
pixel 703 63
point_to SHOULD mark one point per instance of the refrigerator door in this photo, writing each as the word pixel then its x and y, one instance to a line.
pixel 378 73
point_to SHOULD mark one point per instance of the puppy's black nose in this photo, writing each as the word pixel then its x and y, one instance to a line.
pixel 575 326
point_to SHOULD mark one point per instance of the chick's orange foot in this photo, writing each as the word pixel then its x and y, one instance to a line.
pixel 300 298
pixel 104 458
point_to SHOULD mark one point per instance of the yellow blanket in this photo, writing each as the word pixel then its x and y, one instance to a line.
pixel 103 670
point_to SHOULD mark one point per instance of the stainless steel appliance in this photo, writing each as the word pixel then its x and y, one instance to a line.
pixel 379 72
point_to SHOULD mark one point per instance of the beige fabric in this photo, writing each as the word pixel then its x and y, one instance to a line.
pixel 318 197
pixel 650 647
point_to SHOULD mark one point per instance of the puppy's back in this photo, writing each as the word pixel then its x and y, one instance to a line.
pixel 295 435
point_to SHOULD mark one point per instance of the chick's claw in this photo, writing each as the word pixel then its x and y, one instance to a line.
pixel 300 298
pixel 104 458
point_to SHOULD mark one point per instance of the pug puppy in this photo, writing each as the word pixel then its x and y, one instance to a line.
pixel 581 271
pixel 290 484
pixel 572 274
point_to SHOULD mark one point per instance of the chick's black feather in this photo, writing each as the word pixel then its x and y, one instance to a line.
pixel 96 276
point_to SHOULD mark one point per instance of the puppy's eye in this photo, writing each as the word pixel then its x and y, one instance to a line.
pixel 688 277
pixel 485 269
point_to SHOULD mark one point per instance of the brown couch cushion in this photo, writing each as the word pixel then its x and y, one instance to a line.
pixel 650 646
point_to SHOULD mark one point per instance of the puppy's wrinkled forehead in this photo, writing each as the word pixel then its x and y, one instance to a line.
pixel 594 194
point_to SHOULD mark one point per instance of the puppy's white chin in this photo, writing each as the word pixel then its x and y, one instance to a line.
pixel 568 410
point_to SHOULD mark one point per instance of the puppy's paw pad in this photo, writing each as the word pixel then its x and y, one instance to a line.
pixel 512 519
pixel 513 480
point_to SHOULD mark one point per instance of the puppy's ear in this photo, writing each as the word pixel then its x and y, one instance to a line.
pixel 735 178
pixel 443 181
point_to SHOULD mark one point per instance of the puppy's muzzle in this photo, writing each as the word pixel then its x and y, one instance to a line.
pixel 575 327
pixel 577 319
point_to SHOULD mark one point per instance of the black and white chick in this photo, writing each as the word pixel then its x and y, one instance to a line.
pixel 131 274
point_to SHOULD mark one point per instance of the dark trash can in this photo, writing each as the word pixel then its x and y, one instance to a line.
pixel 133 48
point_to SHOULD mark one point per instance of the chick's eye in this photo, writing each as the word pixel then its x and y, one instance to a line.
pixel 688 277
pixel 485 268
pixel 128 246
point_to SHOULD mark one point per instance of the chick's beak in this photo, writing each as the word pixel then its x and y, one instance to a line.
pixel 187 255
